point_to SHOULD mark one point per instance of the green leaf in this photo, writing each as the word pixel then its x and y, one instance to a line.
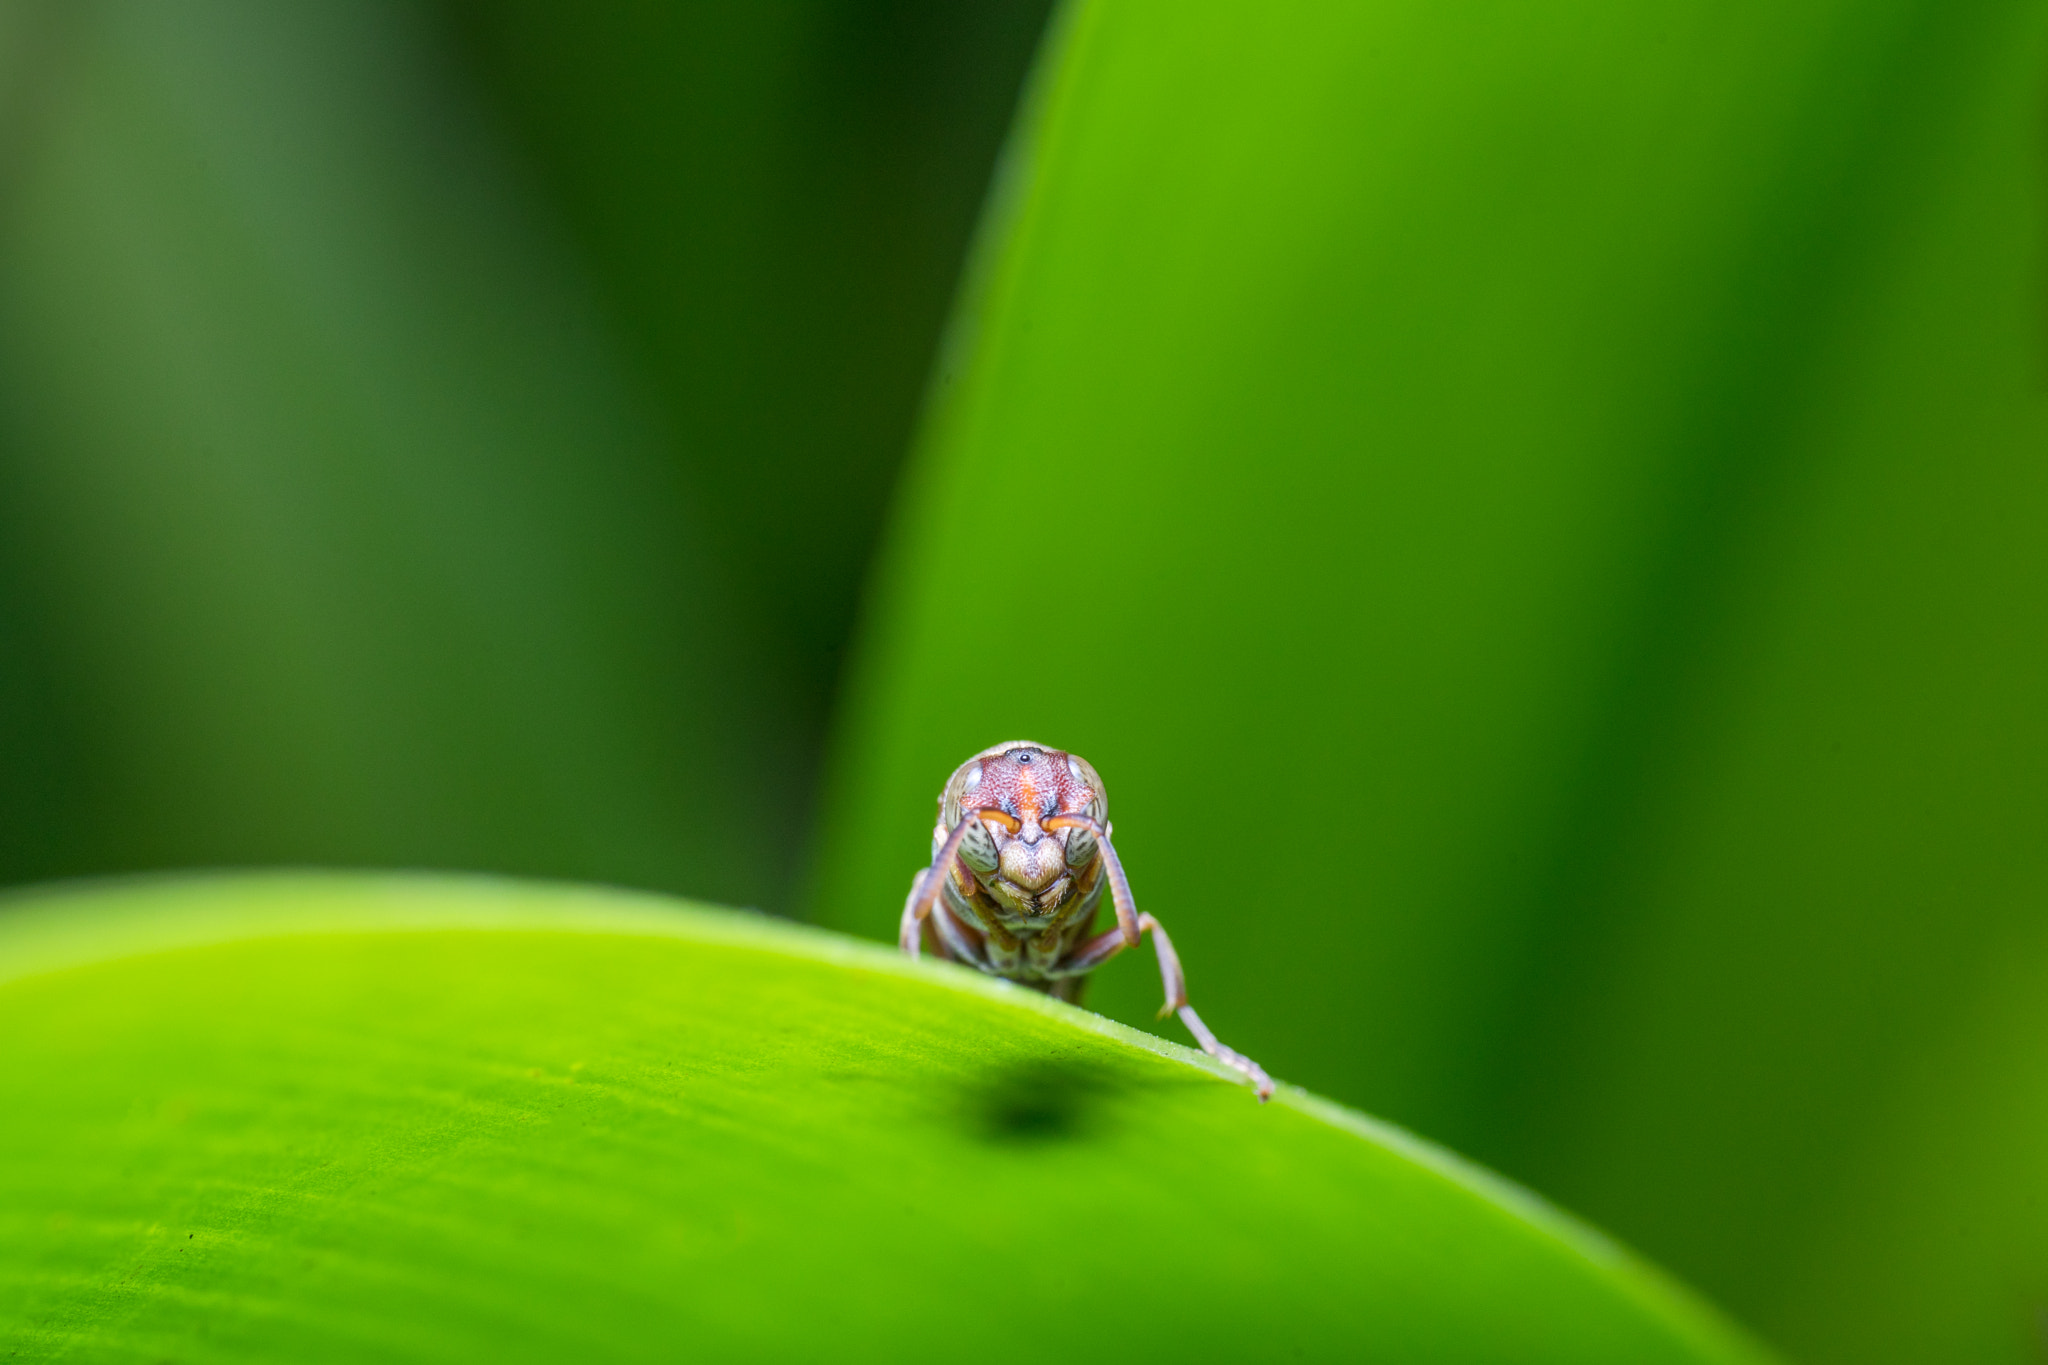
pixel 1535 511
pixel 1780 1037
pixel 773 200
pixel 1383 369
pixel 342 1118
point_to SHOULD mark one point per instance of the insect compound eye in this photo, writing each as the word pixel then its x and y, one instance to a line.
pixel 972 780
pixel 978 847
pixel 1074 770
pixel 1080 848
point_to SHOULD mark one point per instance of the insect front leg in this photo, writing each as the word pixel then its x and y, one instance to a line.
pixel 910 929
pixel 1092 953
pixel 1175 981
pixel 951 917
pixel 924 892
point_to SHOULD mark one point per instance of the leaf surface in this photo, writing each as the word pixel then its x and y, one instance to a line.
pixel 337 1118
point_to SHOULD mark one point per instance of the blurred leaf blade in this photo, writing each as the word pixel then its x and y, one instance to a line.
pixel 1830 870
pixel 438 1119
pixel 1497 444
pixel 773 200
pixel 1240 289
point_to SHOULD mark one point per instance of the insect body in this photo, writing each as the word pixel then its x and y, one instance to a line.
pixel 1020 861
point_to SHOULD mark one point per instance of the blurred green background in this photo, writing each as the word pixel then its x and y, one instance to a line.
pixel 1536 510
pixel 454 435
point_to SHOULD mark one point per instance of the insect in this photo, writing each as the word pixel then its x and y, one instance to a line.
pixel 1020 858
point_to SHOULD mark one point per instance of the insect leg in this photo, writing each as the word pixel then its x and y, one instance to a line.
pixel 954 939
pixel 1119 885
pixel 910 929
pixel 1092 953
pixel 926 889
pixel 1229 1056
pixel 1176 982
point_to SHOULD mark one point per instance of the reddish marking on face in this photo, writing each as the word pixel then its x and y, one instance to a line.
pixel 1028 781
pixel 1028 798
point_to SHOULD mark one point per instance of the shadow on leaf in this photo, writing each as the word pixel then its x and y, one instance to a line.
pixel 1041 1101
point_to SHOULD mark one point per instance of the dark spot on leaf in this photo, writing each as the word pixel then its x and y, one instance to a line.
pixel 1041 1101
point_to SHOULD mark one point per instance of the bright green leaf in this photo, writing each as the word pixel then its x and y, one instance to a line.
pixel 1821 865
pixel 348 1118
pixel 1535 510
pixel 1343 403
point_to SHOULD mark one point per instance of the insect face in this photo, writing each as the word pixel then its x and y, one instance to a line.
pixel 1018 787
